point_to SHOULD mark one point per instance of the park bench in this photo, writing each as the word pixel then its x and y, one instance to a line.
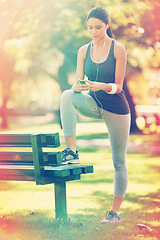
pixel 38 163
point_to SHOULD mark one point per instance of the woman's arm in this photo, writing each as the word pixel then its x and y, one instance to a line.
pixel 121 62
pixel 80 71
pixel 80 63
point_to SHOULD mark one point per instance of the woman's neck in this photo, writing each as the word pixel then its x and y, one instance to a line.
pixel 100 42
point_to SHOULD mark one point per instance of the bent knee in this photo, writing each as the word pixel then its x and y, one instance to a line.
pixel 66 95
pixel 120 166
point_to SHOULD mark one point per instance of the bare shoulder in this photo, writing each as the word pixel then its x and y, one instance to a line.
pixel 119 46
pixel 82 50
pixel 119 49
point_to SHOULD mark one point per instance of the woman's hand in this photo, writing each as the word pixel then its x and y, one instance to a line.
pixel 78 87
pixel 95 86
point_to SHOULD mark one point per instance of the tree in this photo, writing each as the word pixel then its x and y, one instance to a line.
pixel 45 35
pixel 8 18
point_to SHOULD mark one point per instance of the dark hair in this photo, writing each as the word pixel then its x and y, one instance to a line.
pixel 102 15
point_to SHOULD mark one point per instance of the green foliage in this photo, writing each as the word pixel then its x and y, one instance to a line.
pixel 42 37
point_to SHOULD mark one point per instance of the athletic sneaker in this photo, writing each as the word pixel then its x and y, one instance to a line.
pixel 69 157
pixel 111 217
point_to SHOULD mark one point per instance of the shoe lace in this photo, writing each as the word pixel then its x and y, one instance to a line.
pixel 64 154
pixel 111 214
pixel 64 151
pixel 68 151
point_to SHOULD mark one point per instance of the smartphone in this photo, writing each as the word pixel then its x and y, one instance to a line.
pixel 82 81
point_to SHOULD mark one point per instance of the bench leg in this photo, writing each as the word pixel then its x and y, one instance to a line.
pixel 60 200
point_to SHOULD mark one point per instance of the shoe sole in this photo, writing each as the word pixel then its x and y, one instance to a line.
pixel 109 222
pixel 71 162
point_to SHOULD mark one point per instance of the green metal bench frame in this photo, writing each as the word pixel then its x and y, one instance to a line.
pixel 37 164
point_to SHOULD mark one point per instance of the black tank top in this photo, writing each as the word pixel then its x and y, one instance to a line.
pixel 115 103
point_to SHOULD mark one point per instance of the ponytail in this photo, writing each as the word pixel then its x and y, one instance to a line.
pixel 109 32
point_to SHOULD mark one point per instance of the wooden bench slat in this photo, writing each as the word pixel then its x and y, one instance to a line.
pixel 13 172
pixel 61 171
pixel 17 172
pixel 21 140
pixel 26 158
pixel 85 168
pixel 17 177
pixel 74 169
pixel 44 181
pixel 29 170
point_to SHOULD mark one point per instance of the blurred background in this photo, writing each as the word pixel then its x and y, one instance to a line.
pixel 39 40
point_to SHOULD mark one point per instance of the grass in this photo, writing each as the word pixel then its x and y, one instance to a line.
pixel 87 199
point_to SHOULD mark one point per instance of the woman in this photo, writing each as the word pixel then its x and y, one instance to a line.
pixel 103 61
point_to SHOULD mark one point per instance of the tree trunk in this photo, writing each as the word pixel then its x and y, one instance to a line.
pixel 6 77
pixel 63 77
pixel 133 128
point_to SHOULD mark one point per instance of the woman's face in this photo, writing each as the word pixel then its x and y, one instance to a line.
pixel 96 28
